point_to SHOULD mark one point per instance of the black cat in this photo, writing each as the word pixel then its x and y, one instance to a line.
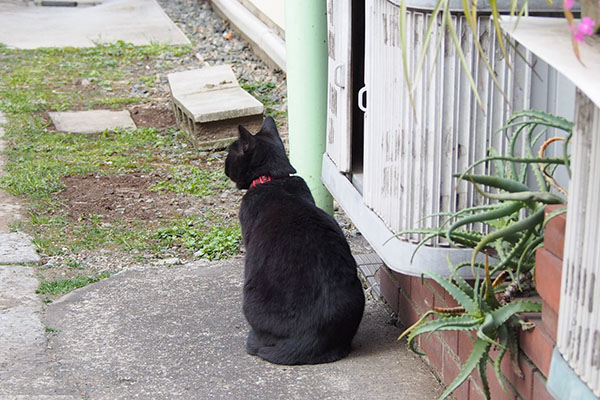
pixel 302 297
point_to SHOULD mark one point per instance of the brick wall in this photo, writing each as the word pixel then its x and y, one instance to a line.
pixel 410 297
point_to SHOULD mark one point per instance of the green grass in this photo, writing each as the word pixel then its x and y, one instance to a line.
pixel 64 286
pixel 37 164
pixel 33 82
pixel 217 243
pixel 117 101
pixel 194 181
pixel 46 79
pixel 220 243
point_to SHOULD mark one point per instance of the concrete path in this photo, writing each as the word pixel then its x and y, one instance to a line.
pixel 165 333
pixel 9 206
pixel 25 26
pixel 23 358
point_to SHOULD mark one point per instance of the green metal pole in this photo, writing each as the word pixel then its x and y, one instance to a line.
pixel 306 70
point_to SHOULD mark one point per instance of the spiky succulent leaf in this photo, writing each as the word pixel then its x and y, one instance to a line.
pixel 446 323
pixel 501 315
pixel 465 301
pixel 480 351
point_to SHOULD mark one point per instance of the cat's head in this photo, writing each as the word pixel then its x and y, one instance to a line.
pixel 252 156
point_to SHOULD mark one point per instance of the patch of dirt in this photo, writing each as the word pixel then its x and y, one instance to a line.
pixel 159 117
pixel 129 197
pixel 45 116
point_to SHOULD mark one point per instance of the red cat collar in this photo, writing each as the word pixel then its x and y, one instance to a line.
pixel 260 180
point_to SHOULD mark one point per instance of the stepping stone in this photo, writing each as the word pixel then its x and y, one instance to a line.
pixel 67 3
pixel 209 105
pixel 17 248
pixel 93 121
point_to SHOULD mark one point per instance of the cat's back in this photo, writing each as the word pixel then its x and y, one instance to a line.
pixel 285 207
pixel 281 223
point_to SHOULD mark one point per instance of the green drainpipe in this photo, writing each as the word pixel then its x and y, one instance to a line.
pixel 306 69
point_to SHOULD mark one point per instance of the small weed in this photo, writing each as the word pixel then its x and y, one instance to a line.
pixel 194 181
pixel 149 80
pixel 51 330
pixel 261 90
pixel 220 243
pixel 64 286
pixel 117 101
pixel 74 264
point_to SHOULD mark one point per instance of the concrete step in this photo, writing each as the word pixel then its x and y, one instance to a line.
pixel 209 104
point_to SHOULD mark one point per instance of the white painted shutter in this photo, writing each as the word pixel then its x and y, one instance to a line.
pixel 339 92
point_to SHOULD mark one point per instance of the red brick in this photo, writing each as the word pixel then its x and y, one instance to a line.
pixel 421 295
pixel 438 291
pixel 450 302
pixel 432 346
pixel 465 345
pixel 389 288
pixel 554 234
pixel 539 388
pixel 538 346
pixel 524 386
pixel 548 270
pixel 549 320
pixel 407 314
pixel 451 340
pixel 475 391
pixel 496 391
pixel 451 370
pixel 404 282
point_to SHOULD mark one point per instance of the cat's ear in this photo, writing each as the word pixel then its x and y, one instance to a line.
pixel 269 128
pixel 246 138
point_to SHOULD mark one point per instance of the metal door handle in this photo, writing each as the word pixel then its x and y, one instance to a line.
pixel 362 99
pixel 337 77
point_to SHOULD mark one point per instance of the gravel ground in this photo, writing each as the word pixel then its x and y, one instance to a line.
pixel 215 43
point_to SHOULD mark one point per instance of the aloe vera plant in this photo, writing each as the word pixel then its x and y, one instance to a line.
pixel 513 229
pixel 495 324
pixel 514 218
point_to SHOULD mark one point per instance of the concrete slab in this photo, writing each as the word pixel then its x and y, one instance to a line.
pixel 209 105
pixel 212 94
pixel 17 248
pixel 179 332
pixel 202 80
pixel 135 21
pixel 24 366
pixel 92 121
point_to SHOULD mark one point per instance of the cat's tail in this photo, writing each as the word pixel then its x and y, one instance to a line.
pixel 294 352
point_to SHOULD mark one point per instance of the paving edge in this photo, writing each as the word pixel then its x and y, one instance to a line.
pixel 270 45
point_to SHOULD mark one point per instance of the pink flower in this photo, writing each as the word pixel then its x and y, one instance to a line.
pixel 586 26
pixel 578 36
pixel 583 29
pixel 569 3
